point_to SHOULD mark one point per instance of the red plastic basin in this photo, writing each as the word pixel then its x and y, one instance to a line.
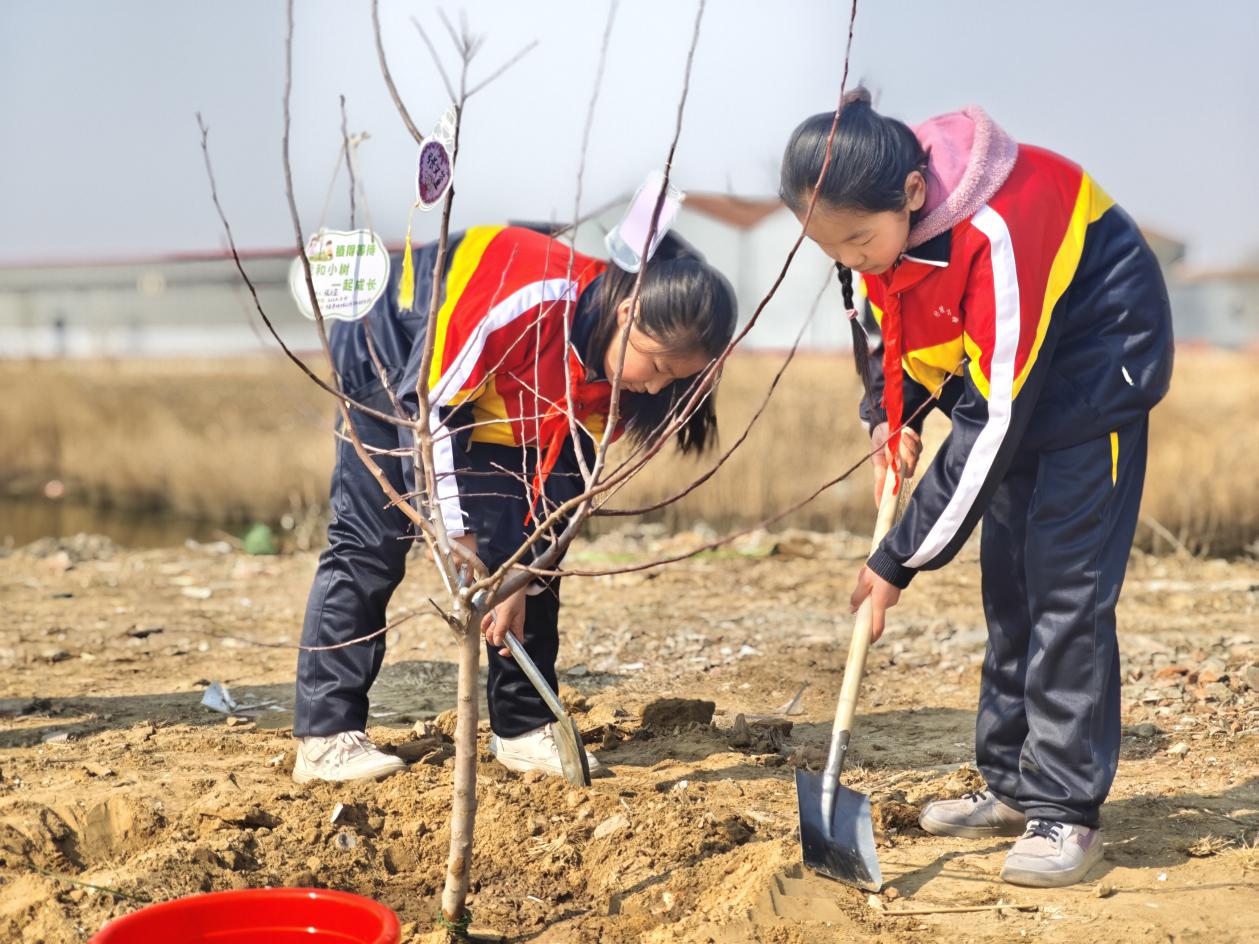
pixel 258 916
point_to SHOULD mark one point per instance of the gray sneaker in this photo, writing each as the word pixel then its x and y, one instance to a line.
pixel 977 815
pixel 1052 855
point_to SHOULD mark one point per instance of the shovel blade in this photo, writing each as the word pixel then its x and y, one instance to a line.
pixel 842 849
pixel 572 755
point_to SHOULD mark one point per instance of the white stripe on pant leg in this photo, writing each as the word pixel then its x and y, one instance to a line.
pixel 983 454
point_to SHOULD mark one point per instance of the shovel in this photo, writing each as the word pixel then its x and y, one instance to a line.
pixel 836 828
pixel 573 762
pixel 567 738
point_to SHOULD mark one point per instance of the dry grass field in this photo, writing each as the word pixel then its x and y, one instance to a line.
pixel 230 441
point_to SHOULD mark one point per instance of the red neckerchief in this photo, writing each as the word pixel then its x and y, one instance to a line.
pixel 907 273
pixel 582 399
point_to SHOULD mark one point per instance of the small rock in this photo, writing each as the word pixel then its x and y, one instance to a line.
pixel 62 737
pixel 613 824
pixel 1179 749
pixel 892 893
pixel 534 776
pixel 1171 671
pixel 1251 677
pixel 345 841
pixel 197 593
pixel 578 671
pixel 875 902
pixel 206 858
pixel 1104 891
pixel 302 879
pixel 417 750
pixel 54 655
pixel 1146 730
pixel 234 721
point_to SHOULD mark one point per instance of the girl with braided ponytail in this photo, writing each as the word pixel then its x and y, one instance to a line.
pixel 1015 296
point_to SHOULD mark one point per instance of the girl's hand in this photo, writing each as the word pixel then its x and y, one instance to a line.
pixel 911 449
pixel 507 617
pixel 883 596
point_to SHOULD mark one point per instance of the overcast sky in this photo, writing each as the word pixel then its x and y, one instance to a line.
pixel 100 153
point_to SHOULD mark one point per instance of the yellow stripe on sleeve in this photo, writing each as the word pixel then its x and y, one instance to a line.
pixel 1090 203
pixel 466 259
pixel 1114 458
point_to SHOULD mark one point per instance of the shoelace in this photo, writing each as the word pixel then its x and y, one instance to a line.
pixel 345 745
pixel 976 796
pixel 1046 829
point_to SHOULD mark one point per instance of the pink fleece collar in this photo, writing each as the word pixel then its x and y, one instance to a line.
pixel 969 158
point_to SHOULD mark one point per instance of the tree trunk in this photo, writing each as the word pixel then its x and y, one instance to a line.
pixel 463 806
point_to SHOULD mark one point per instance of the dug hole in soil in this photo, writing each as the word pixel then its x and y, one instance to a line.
pixel 112 774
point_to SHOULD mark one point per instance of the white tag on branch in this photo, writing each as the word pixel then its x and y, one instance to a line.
pixel 435 169
pixel 350 271
pixel 626 240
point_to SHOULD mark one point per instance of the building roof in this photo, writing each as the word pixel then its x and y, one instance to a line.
pixel 1244 273
pixel 739 212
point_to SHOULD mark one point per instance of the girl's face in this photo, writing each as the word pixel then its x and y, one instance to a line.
pixel 866 242
pixel 649 367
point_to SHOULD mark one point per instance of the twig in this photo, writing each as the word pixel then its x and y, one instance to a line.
pixel 253 291
pixel 349 163
pixel 437 60
pixel 954 909
pixel 117 893
pixel 384 71
pixel 528 48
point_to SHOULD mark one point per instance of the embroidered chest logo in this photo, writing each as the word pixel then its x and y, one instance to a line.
pixel 942 312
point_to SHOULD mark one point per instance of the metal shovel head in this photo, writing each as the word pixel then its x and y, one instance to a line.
pixel 842 849
pixel 572 755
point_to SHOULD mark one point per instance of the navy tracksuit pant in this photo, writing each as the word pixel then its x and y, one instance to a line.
pixel 1054 548
pixel 368 543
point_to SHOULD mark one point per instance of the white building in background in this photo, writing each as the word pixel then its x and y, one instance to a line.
pixel 192 304
pixel 197 304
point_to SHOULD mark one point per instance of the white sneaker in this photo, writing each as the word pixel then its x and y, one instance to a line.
pixel 1052 855
pixel 345 756
pixel 534 750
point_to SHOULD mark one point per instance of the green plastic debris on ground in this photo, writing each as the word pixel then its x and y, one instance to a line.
pixel 259 540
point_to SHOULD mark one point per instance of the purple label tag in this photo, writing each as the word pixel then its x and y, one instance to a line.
pixel 434 174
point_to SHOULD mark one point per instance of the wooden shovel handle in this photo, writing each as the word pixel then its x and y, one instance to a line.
pixel 859 645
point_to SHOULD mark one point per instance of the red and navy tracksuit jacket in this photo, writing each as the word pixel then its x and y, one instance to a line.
pixel 1038 322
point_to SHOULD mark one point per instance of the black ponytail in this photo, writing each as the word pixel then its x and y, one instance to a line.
pixel 860 342
pixel 870 158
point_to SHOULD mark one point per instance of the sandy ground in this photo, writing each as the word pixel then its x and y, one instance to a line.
pixel 112 774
